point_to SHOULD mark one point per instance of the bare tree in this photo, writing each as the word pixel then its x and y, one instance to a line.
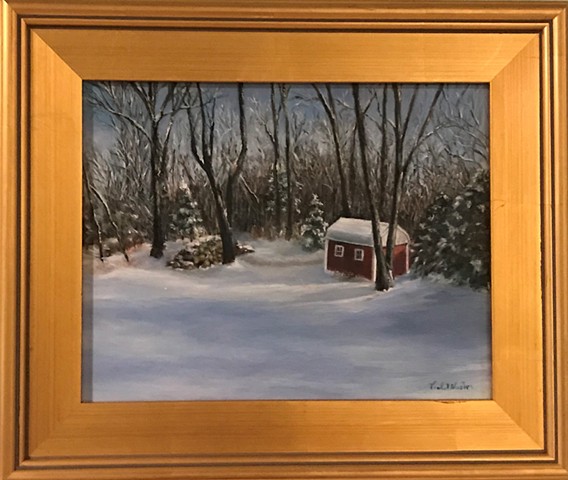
pixel 460 116
pixel 328 103
pixel 91 192
pixel 383 160
pixel 87 190
pixel 236 167
pixel 383 279
pixel 159 106
pixel 269 116
pixel 202 148
pixel 275 140
pixel 403 159
pixel 284 91
pixel 101 199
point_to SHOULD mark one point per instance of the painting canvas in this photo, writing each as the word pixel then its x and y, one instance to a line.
pixel 285 241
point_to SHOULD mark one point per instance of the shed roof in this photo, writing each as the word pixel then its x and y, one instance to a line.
pixel 358 231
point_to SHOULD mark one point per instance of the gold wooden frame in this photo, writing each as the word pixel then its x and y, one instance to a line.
pixel 49 47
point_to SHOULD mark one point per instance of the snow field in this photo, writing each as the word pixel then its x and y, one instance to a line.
pixel 274 325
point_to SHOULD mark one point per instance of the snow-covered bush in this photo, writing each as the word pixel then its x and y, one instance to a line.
pixel 453 240
pixel 314 227
pixel 185 220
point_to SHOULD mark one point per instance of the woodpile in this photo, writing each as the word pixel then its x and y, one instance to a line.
pixel 202 253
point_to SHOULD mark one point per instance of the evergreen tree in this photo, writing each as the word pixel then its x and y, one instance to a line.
pixel 314 227
pixel 185 220
pixel 431 239
pixel 276 199
pixel 453 241
pixel 276 195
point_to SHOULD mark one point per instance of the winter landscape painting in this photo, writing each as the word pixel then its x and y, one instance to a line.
pixel 285 241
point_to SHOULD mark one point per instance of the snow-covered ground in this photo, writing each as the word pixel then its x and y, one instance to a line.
pixel 274 325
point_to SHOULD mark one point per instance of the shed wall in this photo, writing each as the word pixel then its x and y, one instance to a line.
pixel 400 261
pixel 349 266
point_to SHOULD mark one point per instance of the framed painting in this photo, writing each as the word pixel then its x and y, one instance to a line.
pixel 272 288
pixel 283 240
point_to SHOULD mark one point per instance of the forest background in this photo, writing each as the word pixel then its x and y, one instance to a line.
pixel 170 161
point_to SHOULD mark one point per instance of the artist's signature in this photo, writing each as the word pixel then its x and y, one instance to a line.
pixel 461 385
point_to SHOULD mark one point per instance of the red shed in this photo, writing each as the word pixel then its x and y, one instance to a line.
pixel 349 248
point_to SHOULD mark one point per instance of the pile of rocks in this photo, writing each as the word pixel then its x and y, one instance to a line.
pixel 203 253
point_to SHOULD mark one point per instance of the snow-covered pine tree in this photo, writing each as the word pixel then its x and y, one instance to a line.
pixel 453 241
pixel 276 196
pixel 314 227
pixel 185 220
pixel 276 205
pixel 430 245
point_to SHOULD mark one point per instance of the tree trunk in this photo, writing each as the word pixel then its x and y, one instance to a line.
pixel 276 144
pixel 237 168
pixel 112 222
pixel 383 278
pixel 158 238
pixel 225 230
pixel 402 164
pixel 329 107
pixel 383 180
pixel 353 168
pixel 289 198
pixel 398 159
pixel 93 214
pixel 230 198
pixel 205 161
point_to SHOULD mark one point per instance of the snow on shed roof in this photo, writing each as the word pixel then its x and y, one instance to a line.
pixel 358 231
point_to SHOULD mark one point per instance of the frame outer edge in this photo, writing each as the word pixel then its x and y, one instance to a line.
pixel 9 247
pixel 8 241
pixel 560 125
pixel 295 9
